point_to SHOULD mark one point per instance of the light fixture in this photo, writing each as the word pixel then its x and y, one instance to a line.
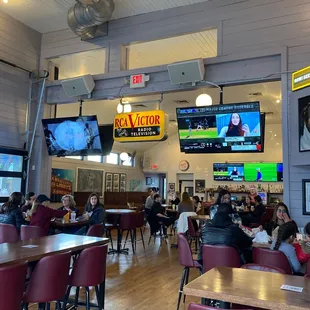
pixel 203 100
pixel 127 108
pixel 278 101
pixel 124 156
pixel 123 107
pixel 119 108
pixel 5 1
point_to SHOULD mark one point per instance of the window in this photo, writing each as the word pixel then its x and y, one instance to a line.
pixel 181 48
pixel 97 159
pixel 128 162
pixel 74 157
pixel 112 158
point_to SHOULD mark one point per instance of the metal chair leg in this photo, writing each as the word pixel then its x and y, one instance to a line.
pixel 142 238
pixel 66 298
pixel 99 302
pixel 87 298
pixel 181 287
pixel 186 282
pixel 132 241
pixel 48 306
pixel 77 294
pixel 58 305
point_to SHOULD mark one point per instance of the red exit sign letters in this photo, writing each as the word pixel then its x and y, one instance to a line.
pixel 138 80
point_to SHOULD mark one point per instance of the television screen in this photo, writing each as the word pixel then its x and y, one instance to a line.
pixel 72 136
pixel 228 172
pixel 8 185
pixel 260 172
pixel 11 163
pixel 106 137
pixel 221 128
pixel 280 172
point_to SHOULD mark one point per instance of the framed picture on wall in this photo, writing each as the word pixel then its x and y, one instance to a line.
pixel 108 182
pixel 123 182
pixel 116 183
pixel 90 180
pixel 304 124
pixel 306 197
pixel 200 186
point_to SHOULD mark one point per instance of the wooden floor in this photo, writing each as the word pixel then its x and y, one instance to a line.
pixel 149 280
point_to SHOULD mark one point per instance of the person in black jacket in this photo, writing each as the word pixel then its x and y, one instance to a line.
pixel 10 212
pixel 256 213
pixel 222 231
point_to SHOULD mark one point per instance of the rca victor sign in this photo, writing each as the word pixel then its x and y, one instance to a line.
pixel 301 79
pixel 141 126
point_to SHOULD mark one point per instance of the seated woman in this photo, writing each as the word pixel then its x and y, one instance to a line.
pixel 157 216
pixel 281 216
pixel 94 212
pixel 197 204
pixel 223 197
pixel 176 200
pixel 68 204
pixel 284 242
pixel 186 205
pixel 11 213
pixel 41 215
pixel 222 231
pixel 256 213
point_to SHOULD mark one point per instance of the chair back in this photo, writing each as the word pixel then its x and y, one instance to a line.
pixel 185 252
pixel 191 229
pixel 31 232
pixel 271 258
pixel 307 275
pixel 202 307
pixel 8 233
pixel 12 281
pixel 49 279
pixel 128 221
pixel 219 255
pixel 308 267
pixel 140 219
pixel 94 261
pixel 95 231
pixel 263 268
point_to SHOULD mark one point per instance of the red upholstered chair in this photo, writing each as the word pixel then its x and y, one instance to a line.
pixel 93 260
pixel 140 225
pixel 128 222
pixel 95 231
pixel 31 232
pixel 219 255
pixel 12 282
pixel 186 260
pixel 192 233
pixel 263 268
pixel 307 276
pixel 271 258
pixel 8 233
pixel 49 280
pixel 308 267
pixel 202 307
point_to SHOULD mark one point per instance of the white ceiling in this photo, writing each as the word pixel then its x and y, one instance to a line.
pixel 51 15
pixel 106 110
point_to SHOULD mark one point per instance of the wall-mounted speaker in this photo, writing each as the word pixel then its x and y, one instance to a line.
pixel 82 85
pixel 192 71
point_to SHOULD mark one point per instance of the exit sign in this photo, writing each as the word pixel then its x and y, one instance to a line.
pixel 138 80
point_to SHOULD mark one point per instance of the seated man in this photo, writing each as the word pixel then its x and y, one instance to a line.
pixel 222 231
pixel 157 216
pixel 256 213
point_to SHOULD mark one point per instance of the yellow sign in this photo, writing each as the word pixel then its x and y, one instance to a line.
pixel 141 126
pixel 301 79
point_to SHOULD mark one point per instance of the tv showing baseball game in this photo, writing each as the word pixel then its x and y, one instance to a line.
pixel 227 128
pixel 228 172
pixel 72 136
pixel 260 172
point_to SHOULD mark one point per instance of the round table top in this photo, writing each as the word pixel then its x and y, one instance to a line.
pixel 119 211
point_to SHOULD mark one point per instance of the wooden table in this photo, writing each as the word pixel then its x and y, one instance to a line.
pixel 35 249
pixel 251 288
pixel 118 213
pixel 62 224
pixel 200 217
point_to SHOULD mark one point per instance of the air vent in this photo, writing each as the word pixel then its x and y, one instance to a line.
pixel 259 94
pixel 181 101
pixel 139 105
pixel 172 121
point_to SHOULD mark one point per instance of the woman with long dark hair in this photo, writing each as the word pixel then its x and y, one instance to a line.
pixel 223 197
pixel 94 210
pixel 235 128
pixel 284 242
pixel 10 212
pixel 186 204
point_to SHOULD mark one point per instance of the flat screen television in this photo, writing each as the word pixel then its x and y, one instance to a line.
pixel 228 172
pixel 106 138
pixel 72 136
pixel 280 172
pixel 260 172
pixel 228 128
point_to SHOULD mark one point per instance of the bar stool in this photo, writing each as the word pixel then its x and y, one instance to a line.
pixel 12 282
pixel 48 281
pixel 8 233
pixel 95 231
pixel 128 222
pixel 93 260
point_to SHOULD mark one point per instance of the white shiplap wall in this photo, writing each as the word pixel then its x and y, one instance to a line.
pixel 20 45
pixel 247 29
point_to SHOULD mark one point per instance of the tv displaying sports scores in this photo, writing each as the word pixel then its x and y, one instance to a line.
pixel 260 172
pixel 228 128
pixel 228 172
pixel 72 136
pixel 280 172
